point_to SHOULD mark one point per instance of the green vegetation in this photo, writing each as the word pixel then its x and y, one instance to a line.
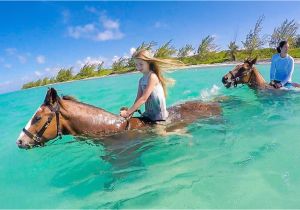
pixel 186 51
pixel 253 39
pixel 165 51
pixel 207 53
pixel 286 31
pixel 232 50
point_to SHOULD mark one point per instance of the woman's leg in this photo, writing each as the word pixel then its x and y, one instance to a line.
pixel 294 84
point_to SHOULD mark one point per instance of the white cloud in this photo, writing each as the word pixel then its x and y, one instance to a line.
pixel 109 35
pixel 10 51
pixel 81 31
pixel 215 36
pixel 6 83
pixel 52 71
pixel 190 53
pixel 108 23
pixel 91 10
pixel 38 73
pixel 7 66
pixel 159 24
pixel 66 16
pixel 102 30
pixel 22 58
pixel 115 58
pixel 90 60
pixel 132 51
pixel 25 78
pixel 40 59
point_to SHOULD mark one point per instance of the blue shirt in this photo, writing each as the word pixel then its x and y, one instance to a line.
pixel 282 68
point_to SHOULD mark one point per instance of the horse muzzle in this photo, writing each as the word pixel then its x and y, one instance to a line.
pixel 23 145
pixel 226 82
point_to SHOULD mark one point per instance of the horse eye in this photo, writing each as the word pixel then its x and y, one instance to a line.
pixel 37 118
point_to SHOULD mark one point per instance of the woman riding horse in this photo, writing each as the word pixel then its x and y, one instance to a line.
pixel 282 67
pixel 281 73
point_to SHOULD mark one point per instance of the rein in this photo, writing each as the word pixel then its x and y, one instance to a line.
pixel 128 118
pixel 37 138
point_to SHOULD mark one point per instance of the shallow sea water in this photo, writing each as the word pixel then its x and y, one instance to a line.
pixel 246 158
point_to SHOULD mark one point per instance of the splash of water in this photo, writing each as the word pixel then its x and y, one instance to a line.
pixel 209 94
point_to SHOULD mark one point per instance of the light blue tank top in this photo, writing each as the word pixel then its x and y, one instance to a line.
pixel 155 106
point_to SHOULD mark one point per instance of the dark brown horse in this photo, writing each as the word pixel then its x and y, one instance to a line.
pixel 248 74
pixel 65 116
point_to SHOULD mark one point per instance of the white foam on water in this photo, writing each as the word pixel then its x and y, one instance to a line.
pixel 208 94
pixel 187 92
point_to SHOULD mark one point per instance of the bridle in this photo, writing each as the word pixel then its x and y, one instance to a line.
pixel 37 138
pixel 235 79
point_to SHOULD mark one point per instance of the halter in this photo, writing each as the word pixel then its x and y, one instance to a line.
pixel 236 79
pixel 37 138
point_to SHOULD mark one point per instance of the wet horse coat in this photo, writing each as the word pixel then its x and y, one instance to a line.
pixel 80 119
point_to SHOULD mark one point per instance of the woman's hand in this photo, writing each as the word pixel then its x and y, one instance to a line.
pixel 278 85
pixel 124 113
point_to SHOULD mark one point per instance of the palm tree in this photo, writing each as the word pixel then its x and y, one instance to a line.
pixel 232 50
pixel 165 51
pixel 185 51
pixel 206 46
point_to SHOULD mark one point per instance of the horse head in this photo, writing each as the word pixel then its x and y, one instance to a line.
pixel 241 74
pixel 44 124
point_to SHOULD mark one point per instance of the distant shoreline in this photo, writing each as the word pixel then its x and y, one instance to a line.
pixel 260 62
pixel 135 72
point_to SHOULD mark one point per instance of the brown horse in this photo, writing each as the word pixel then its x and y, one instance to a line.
pixel 247 73
pixel 65 116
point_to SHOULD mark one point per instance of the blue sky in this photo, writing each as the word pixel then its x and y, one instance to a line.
pixel 38 38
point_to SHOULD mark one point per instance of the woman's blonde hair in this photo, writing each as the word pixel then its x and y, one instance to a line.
pixel 157 65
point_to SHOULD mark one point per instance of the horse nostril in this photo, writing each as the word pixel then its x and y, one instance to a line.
pixel 19 142
pixel 224 79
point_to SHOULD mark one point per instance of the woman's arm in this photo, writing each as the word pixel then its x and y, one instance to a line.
pixel 272 69
pixel 153 80
pixel 290 74
pixel 139 93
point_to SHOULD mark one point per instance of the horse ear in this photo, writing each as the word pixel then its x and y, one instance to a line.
pixel 51 97
pixel 253 61
pixel 247 61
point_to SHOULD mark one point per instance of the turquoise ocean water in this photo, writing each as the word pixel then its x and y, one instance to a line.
pixel 247 158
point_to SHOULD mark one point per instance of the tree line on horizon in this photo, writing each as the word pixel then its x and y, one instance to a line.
pixel 206 53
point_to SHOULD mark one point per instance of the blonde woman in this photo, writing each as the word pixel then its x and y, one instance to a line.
pixel 152 88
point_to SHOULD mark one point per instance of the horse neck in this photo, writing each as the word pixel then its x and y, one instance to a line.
pixel 85 120
pixel 257 80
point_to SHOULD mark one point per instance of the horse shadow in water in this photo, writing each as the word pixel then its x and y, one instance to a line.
pixel 121 155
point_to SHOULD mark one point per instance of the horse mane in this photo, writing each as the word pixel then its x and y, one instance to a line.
pixel 71 98
pixel 259 75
